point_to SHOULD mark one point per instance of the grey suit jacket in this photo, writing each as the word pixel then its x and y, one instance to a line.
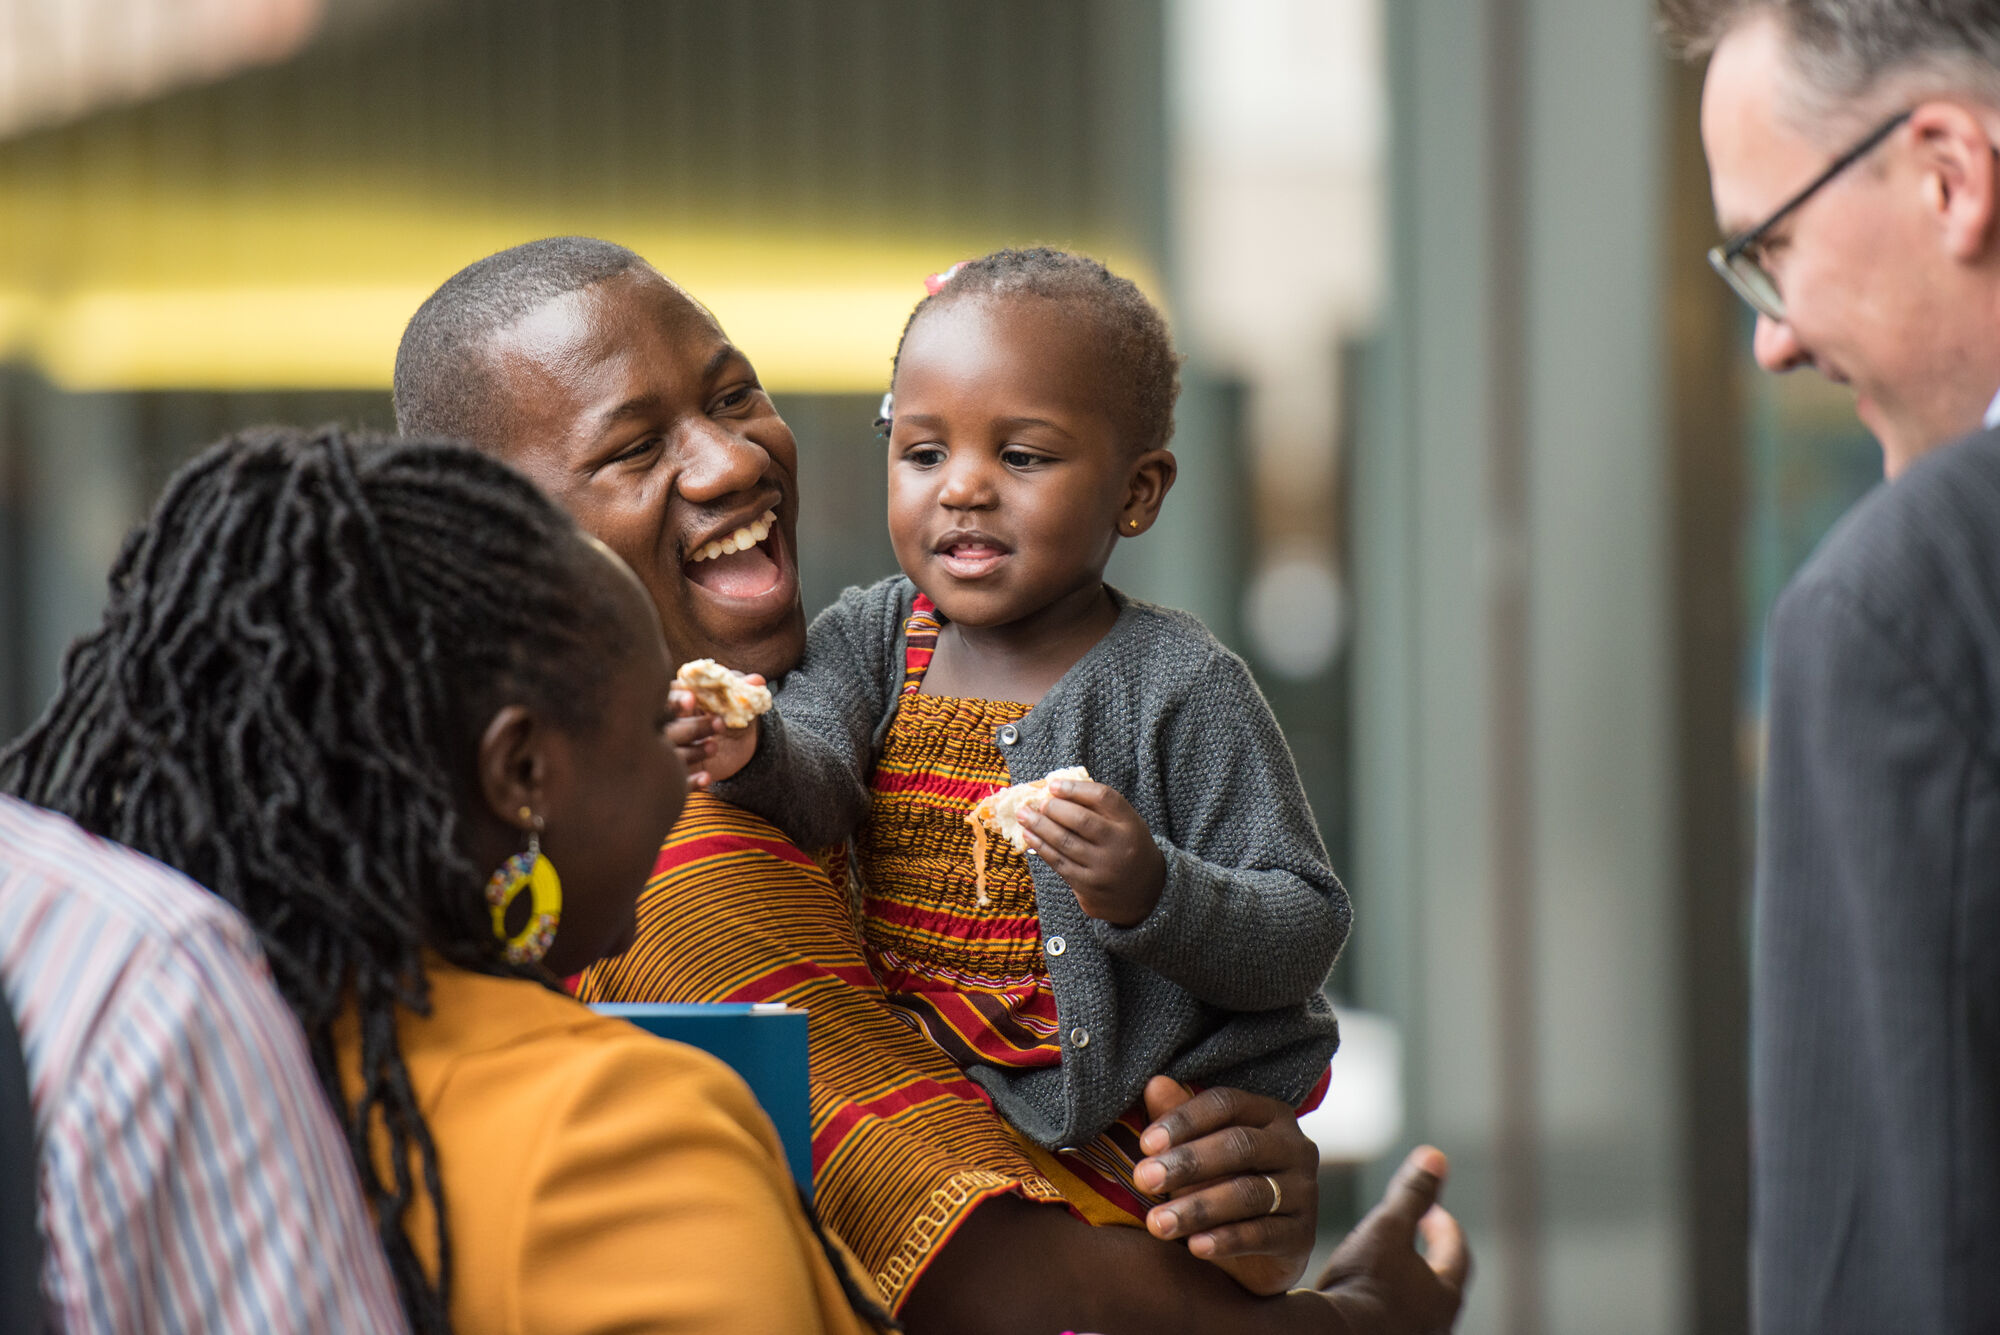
pixel 1876 1012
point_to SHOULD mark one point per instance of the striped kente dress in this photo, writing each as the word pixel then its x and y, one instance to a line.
pixel 904 1146
pixel 972 976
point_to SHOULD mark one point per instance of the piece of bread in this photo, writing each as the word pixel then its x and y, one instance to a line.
pixel 718 690
pixel 1001 814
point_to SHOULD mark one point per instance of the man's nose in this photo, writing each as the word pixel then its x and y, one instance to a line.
pixel 718 463
pixel 1777 345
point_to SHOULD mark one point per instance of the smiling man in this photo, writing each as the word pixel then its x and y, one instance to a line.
pixel 1852 154
pixel 620 397
pixel 619 394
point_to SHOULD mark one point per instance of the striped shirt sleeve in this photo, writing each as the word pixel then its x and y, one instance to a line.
pixel 192 1177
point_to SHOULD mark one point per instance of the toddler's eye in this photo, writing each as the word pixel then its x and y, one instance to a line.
pixel 1022 458
pixel 924 456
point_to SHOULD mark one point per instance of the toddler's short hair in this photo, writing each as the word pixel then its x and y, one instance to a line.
pixel 1131 329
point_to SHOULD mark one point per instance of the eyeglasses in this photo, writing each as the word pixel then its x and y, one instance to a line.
pixel 1739 260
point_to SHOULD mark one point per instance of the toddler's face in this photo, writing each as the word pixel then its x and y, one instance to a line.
pixel 1006 474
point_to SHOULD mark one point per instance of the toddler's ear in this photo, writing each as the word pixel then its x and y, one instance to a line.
pixel 1147 482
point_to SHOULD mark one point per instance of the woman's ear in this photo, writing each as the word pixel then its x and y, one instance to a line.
pixel 1147 483
pixel 513 766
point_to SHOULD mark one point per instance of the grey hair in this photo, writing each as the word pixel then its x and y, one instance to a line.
pixel 1854 57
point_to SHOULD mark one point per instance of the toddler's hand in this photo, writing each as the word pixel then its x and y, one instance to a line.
pixel 1096 842
pixel 710 751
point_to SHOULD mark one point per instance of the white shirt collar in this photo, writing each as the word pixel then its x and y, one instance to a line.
pixel 1993 412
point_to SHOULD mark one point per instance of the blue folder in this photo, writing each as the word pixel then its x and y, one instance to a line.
pixel 764 1042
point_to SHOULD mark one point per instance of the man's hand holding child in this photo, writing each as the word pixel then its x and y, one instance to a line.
pixel 1095 841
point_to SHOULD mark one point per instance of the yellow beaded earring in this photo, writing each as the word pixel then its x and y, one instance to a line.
pixel 532 872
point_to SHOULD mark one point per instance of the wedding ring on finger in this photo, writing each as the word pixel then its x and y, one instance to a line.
pixel 1277 1195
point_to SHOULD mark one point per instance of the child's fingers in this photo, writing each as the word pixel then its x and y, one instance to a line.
pixel 1064 821
pixel 1062 858
pixel 1032 831
pixel 1084 792
pixel 1072 856
pixel 691 730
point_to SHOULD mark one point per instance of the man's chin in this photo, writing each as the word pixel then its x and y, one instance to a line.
pixel 1903 442
pixel 771 645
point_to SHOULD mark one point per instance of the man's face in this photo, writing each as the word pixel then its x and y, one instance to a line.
pixel 1870 300
pixel 627 405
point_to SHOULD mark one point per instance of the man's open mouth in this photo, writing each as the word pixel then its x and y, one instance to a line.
pixel 743 564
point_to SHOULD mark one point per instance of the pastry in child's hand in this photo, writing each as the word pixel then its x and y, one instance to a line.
pixel 730 695
pixel 1001 813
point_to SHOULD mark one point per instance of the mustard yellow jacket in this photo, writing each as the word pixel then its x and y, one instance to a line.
pixel 600 1179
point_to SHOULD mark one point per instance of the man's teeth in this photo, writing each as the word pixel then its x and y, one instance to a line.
pixel 741 540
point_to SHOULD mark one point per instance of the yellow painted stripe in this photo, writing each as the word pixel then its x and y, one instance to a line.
pixel 116 283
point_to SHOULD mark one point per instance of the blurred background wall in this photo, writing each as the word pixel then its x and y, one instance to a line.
pixel 1473 468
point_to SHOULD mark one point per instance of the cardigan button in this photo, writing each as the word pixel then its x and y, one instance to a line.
pixel 1079 1037
pixel 1009 734
pixel 1056 945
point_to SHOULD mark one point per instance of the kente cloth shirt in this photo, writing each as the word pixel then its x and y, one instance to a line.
pixel 192 1175
pixel 905 1147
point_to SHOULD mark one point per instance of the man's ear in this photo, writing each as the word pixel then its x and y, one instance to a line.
pixel 1147 483
pixel 1956 154
pixel 513 765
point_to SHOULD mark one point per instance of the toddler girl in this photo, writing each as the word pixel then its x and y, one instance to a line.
pixel 1179 916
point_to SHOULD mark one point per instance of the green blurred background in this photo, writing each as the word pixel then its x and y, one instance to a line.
pixel 1474 469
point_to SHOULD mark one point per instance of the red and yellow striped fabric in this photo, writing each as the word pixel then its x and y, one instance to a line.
pixel 973 976
pixel 920 634
pixel 904 1146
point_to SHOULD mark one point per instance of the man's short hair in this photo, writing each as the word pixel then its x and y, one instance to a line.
pixel 443 387
pixel 1846 50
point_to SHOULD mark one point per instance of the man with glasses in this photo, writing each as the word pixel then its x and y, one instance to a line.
pixel 1851 149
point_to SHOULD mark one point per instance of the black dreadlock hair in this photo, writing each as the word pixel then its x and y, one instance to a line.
pixel 300 645
pixel 443 387
pixel 1138 349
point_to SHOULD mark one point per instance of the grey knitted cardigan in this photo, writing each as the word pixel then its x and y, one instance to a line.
pixel 1220 983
